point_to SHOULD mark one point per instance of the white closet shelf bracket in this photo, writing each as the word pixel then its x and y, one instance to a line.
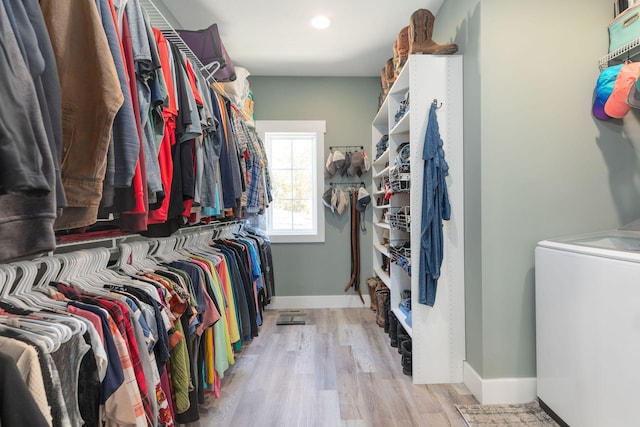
pixel 157 19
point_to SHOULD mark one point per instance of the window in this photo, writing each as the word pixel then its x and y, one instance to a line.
pixel 294 150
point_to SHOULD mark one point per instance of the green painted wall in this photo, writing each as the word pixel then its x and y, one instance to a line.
pixel 537 164
pixel 459 22
pixel 348 105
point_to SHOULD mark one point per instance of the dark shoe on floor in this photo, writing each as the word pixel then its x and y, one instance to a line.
pixel 407 368
pixel 402 336
pixel 382 298
pixel 393 329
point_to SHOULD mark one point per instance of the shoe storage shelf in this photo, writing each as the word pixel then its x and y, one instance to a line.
pixel 437 332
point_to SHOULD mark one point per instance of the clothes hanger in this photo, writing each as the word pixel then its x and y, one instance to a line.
pixel 49 344
pixel 61 333
pixel 39 301
pixel 21 290
pixel 146 260
pixel 106 274
pixel 201 245
pixel 3 279
pixel 77 272
pixel 123 263
pixel 139 251
pixel 158 250
pixel 5 294
pixel 161 250
pixel 124 274
pixel 205 245
pixel 68 319
pixel 52 267
pixel 179 250
pixel 63 273
pixel 57 333
pixel 88 277
pixel 113 278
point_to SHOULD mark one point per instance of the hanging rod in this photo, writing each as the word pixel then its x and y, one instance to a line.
pixel 331 147
pixel 111 239
pixel 213 225
pixel 157 19
pixel 217 227
pixel 361 183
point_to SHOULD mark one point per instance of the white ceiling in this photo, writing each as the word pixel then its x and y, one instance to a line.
pixel 275 38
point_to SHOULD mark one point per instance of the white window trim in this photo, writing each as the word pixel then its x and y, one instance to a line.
pixel 319 128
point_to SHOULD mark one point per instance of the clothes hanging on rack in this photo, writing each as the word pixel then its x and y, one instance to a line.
pixel 239 93
pixel 83 100
pixel 138 343
pixel 138 144
pixel 28 169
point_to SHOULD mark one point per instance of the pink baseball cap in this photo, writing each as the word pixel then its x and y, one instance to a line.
pixel 617 106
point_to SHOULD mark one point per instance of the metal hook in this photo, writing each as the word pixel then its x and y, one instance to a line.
pixel 435 102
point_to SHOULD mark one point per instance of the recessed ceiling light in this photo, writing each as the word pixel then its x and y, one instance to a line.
pixel 320 22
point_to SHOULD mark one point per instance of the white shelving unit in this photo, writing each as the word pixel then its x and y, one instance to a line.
pixel 380 174
pixel 437 332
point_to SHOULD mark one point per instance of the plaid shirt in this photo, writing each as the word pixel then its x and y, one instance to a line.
pixel 119 312
pixel 129 374
pixel 253 192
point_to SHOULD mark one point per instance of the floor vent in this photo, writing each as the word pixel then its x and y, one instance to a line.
pixel 292 318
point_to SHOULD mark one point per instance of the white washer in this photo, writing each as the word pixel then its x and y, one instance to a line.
pixel 588 328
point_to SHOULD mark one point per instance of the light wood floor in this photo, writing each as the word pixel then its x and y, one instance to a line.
pixel 338 370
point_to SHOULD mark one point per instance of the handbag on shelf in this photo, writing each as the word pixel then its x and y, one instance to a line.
pixel 624 28
pixel 207 46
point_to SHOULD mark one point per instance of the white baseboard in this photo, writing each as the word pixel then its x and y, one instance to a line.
pixel 499 390
pixel 318 301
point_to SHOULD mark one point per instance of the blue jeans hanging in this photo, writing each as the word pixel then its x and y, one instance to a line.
pixel 435 208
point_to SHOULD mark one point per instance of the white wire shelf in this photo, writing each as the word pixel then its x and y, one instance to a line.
pixel 621 54
pixel 400 218
pixel 157 19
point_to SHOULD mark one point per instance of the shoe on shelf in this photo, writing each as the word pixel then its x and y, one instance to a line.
pixel 421 32
pixel 400 50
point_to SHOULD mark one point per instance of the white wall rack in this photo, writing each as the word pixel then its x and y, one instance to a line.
pixel 158 20
pixel 623 53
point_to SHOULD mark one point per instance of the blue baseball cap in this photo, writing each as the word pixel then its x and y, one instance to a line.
pixel 604 87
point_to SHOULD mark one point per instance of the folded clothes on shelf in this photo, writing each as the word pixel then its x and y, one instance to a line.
pixel 405 305
pixel 382 145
